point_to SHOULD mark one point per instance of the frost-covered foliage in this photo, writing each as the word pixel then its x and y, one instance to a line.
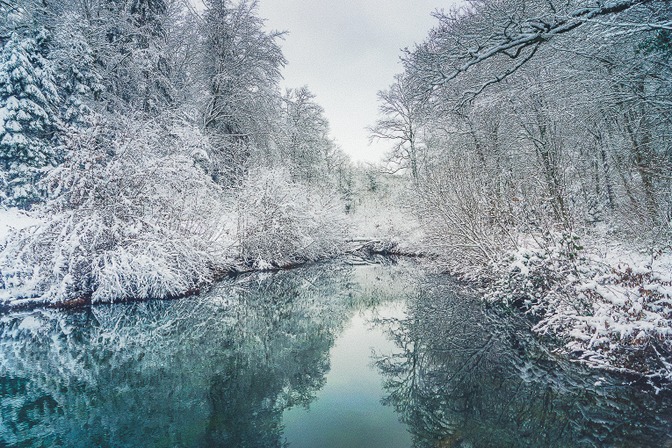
pixel 534 271
pixel 127 221
pixel 78 80
pixel 13 219
pixel 519 120
pixel 540 129
pixel 310 152
pixel 241 67
pixel 284 222
pixel 463 223
pixel 629 324
pixel 134 215
pixel 606 312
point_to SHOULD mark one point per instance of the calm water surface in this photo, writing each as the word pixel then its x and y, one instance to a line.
pixel 325 356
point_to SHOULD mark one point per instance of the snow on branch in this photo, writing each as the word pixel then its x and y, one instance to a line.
pixel 512 43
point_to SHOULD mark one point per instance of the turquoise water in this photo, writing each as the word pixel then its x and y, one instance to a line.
pixel 324 356
pixel 348 411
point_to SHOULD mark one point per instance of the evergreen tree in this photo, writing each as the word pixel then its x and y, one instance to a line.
pixel 79 84
pixel 28 111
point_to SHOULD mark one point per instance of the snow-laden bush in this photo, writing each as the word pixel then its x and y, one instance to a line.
pixel 537 275
pixel 629 324
pixel 126 220
pixel 282 222
pixel 103 257
pixel 609 315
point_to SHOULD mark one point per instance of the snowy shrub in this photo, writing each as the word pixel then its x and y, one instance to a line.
pixel 103 257
pixel 629 324
pixel 126 220
pixel 526 276
pixel 280 221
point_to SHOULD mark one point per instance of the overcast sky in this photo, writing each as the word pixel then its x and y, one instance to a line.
pixel 346 51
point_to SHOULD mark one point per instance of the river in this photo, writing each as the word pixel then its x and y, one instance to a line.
pixel 329 355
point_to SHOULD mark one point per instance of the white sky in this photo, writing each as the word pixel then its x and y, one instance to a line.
pixel 346 51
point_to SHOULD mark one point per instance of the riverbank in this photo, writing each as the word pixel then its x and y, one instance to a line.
pixel 602 298
pixel 149 265
pixel 355 253
pixel 142 249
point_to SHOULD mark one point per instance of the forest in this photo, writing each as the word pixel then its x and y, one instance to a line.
pixel 147 150
pixel 154 146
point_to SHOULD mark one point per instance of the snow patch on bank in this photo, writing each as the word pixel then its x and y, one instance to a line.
pixel 13 219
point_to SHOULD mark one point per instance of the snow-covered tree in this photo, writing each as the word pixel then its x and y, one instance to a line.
pixel 305 145
pixel 128 43
pixel 79 83
pixel 128 117
pixel 536 115
pixel 241 69
pixel 400 125
pixel 285 222
pixel 131 215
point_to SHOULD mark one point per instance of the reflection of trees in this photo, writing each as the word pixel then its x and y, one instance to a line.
pixel 465 376
pixel 217 370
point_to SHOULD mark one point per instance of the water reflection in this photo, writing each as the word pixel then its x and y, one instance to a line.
pixel 223 369
pixel 466 376
pixel 347 412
